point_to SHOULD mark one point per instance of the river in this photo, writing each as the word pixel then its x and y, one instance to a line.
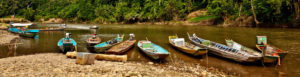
pixel 284 38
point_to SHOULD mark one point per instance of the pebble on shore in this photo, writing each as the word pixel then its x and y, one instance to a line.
pixel 56 64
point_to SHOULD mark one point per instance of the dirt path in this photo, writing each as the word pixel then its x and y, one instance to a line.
pixel 56 64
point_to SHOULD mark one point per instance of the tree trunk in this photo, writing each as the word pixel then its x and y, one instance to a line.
pixel 240 9
pixel 296 6
pixel 253 12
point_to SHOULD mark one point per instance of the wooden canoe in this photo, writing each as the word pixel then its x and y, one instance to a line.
pixel 91 42
pixel 121 48
pixel 102 47
pixel 152 50
pixel 188 47
pixel 272 54
pixel 224 51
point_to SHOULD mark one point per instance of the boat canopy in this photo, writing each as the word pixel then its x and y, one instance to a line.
pixel 236 46
pixel 179 41
pixel 261 40
pixel 21 24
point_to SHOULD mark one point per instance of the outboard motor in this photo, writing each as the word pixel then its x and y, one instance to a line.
pixel 131 36
pixel 94 35
pixel 68 35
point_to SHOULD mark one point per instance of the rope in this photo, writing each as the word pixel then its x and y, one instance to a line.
pixel 206 61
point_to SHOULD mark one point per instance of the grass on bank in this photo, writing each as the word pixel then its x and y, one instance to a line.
pixel 196 19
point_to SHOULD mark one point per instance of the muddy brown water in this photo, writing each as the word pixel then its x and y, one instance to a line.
pixel 284 38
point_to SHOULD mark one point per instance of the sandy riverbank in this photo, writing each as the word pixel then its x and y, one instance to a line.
pixel 7 37
pixel 56 64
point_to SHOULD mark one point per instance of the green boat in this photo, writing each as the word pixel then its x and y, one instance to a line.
pixel 271 53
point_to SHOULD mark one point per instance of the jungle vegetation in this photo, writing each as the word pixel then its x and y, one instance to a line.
pixel 99 11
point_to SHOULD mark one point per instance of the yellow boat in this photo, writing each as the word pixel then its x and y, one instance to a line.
pixel 186 47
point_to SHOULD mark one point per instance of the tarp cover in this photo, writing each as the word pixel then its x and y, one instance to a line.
pixel 261 40
pixel 236 46
pixel 179 42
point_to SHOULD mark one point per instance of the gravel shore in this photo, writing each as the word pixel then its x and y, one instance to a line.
pixel 58 65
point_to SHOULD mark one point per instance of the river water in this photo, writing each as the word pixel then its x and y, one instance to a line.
pixel 283 38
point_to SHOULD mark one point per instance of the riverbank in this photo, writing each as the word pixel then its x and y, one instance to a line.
pixel 7 37
pixel 56 64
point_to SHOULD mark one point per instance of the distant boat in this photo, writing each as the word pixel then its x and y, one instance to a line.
pixel 21 24
pixel 21 29
pixel 53 29
pixel 152 50
pixel 102 47
pixel 29 33
pixel 67 44
pixel 225 51
pixel 94 27
pixel 92 41
pixel 180 44
pixel 122 47
pixel 271 53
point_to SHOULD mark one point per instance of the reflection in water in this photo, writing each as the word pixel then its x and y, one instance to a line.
pixel 286 39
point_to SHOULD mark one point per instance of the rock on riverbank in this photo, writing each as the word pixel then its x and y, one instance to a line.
pixel 55 64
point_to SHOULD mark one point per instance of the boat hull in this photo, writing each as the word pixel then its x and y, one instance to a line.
pixel 160 54
pixel 121 48
pixel 227 54
pixel 29 35
pixel 91 42
pixel 102 47
pixel 66 46
pixel 271 59
pixel 194 52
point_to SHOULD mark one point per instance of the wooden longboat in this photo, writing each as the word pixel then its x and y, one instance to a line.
pixel 121 48
pixel 102 47
pixel 271 53
pixel 152 50
pixel 91 42
pixel 224 51
pixel 238 46
pixel 186 47
pixel 53 29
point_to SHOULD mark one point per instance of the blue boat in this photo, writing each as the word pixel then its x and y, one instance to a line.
pixel 152 50
pixel 67 44
pixel 29 33
pixel 14 30
pixel 102 47
pixel 18 28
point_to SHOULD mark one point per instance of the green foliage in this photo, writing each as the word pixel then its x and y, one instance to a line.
pixel 101 11
pixel 29 13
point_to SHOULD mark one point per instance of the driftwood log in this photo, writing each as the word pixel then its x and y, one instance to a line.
pixel 122 58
